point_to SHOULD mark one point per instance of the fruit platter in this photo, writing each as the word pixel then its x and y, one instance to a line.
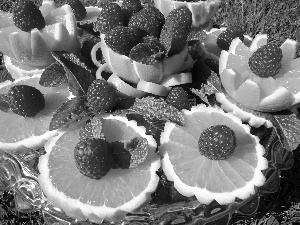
pixel 146 112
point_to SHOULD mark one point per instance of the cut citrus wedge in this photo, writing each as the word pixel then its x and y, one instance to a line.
pixel 18 132
pixel 258 41
pixel 263 94
pixel 194 174
pixel 120 191
pixel 125 90
pixel 156 89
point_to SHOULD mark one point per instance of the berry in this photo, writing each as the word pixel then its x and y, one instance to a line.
pixel 266 60
pixel 78 9
pixel 176 29
pixel 101 96
pixel 217 142
pixel 149 53
pixel 25 100
pixel 178 98
pixel 111 16
pixel 129 154
pixel 93 158
pixel 92 129
pixel 27 16
pixel 146 22
pixel 225 38
pixel 154 12
pixel 130 7
pixel 121 40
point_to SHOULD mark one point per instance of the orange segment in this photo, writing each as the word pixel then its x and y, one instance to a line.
pixel 290 80
pixel 230 61
pixel 289 48
pixel 194 174
pixel 258 41
pixel 84 198
pixel 279 100
pixel 228 79
pixel 237 47
pixel 248 94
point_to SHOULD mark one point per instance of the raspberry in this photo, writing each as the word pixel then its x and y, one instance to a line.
pixel 121 40
pixel 225 38
pixel 93 158
pixel 111 16
pixel 25 100
pixel 178 98
pixel 145 21
pixel 266 60
pixel 27 16
pixel 78 9
pixel 101 96
pixel 176 30
pixel 217 142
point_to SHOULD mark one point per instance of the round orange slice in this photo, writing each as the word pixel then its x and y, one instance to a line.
pixel 120 191
pixel 263 94
pixel 18 133
pixel 194 174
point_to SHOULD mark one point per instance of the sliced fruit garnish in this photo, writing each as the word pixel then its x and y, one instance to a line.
pixel 124 89
pixel 153 88
pixel 176 79
pixel 208 179
pixel 85 198
pixel 18 132
pixel 262 74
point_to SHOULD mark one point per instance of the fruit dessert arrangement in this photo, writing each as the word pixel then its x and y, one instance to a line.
pixel 121 109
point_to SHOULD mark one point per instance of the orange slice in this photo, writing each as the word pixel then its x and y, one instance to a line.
pixel 153 88
pixel 125 90
pixel 34 48
pixel 17 132
pixel 242 94
pixel 120 191
pixel 263 94
pixel 194 174
pixel 176 79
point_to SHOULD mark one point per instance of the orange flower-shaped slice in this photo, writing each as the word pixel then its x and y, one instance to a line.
pixel 207 179
pixel 263 94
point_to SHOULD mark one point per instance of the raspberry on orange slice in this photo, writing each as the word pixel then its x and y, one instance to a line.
pixel 20 133
pixel 273 85
pixel 118 192
pixel 31 50
pixel 212 178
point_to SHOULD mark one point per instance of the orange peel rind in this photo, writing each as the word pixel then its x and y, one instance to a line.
pixel 124 90
pixel 176 79
pixel 269 94
pixel 153 88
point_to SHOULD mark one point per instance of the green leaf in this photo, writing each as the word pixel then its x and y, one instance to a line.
pixel 78 75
